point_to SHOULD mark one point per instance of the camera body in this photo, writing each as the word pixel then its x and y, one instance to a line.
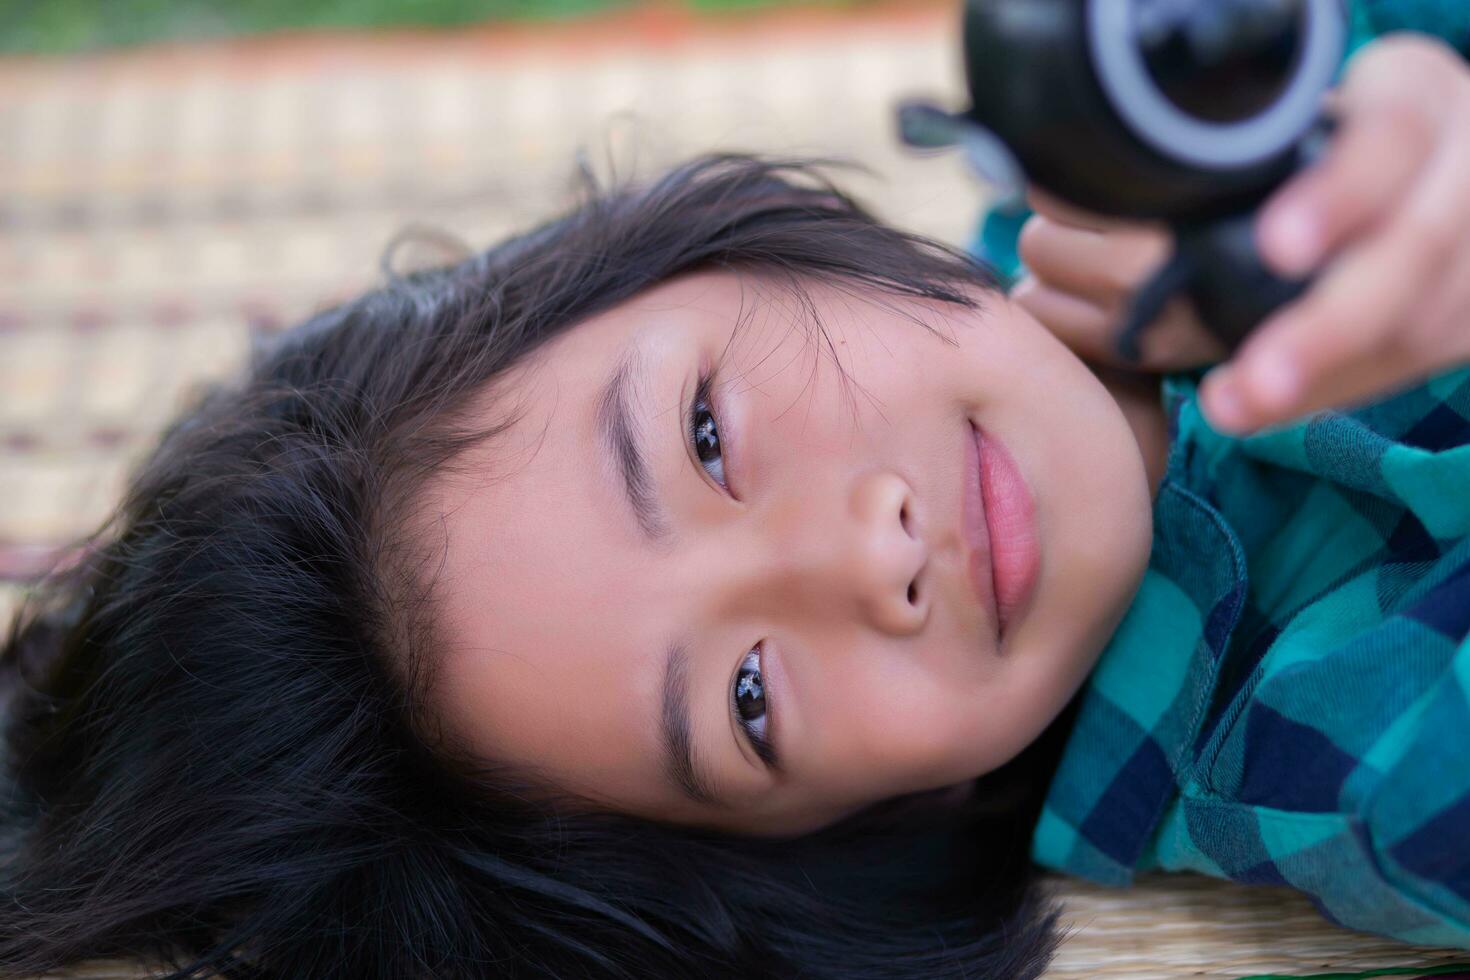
pixel 1189 112
pixel 1173 110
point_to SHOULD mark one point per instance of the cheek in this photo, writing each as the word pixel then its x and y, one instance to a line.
pixel 900 723
pixel 1008 341
pixel 897 724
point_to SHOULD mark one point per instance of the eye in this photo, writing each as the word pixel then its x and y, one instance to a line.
pixel 749 703
pixel 704 434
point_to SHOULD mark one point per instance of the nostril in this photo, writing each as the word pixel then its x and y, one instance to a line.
pixel 913 592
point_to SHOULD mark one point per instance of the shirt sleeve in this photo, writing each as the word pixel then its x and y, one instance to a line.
pixel 1392 860
pixel 1417 817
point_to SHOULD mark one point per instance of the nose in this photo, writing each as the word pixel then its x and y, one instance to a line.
pixel 887 553
pixel 852 550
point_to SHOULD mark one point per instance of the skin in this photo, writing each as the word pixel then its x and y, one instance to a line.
pixel 556 612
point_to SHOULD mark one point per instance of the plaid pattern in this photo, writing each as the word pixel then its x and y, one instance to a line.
pixel 1448 19
pixel 1287 700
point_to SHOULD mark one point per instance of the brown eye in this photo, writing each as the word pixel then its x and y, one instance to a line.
pixel 705 436
pixel 750 695
pixel 750 700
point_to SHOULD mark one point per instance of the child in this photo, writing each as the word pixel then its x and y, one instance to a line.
pixel 255 732
pixel 644 596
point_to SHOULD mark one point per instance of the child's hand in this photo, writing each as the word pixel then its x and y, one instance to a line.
pixel 1390 207
pixel 1082 271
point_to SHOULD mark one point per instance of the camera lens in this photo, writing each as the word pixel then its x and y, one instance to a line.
pixel 1220 60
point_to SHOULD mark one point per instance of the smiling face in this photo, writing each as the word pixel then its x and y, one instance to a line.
pixel 784 628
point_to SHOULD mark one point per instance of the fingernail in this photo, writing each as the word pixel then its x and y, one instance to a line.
pixel 1275 381
pixel 1223 406
pixel 1294 239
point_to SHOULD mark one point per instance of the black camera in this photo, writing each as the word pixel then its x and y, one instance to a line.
pixel 1185 111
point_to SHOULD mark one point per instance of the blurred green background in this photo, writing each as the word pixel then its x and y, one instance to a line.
pixel 55 26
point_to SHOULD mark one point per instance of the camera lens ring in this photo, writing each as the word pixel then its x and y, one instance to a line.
pixel 1164 127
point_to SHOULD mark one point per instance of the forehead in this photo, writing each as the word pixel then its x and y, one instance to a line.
pixel 661 316
pixel 757 313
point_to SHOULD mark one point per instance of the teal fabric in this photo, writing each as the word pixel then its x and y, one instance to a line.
pixel 1287 699
pixel 996 240
pixel 996 235
pixel 1447 19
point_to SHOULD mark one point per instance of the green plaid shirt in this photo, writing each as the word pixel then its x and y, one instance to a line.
pixel 1287 700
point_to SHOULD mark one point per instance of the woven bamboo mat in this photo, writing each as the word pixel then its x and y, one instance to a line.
pixel 1168 926
pixel 156 207
pixel 159 207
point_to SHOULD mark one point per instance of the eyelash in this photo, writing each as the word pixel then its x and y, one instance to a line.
pixel 702 401
pixel 701 405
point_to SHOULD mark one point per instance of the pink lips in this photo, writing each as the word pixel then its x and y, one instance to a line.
pixel 999 524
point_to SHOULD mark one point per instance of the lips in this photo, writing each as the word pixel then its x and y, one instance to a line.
pixel 999 524
pixel 976 531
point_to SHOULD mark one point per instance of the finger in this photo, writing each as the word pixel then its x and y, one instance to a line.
pixel 1081 325
pixel 1064 212
pixel 1176 340
pixel 1348 190
pixel 1367 379
pixel 1445 315
pixel 1350 336
pixel 1103 268
pixel 1355 383
pixel 1395 99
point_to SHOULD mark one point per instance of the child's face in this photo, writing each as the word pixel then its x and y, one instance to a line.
pixel 559 612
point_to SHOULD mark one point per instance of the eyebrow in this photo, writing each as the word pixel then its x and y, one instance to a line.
pixel 681 765
pixel 622 437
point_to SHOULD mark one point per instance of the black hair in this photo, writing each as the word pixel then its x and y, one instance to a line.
pixel 218 757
